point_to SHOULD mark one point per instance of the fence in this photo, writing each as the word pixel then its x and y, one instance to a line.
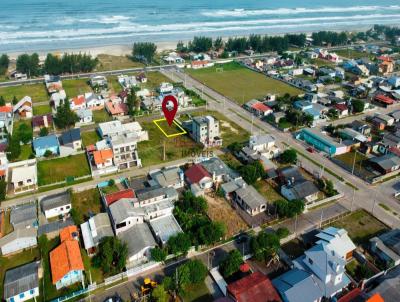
pixel 323 201
pixel 70 296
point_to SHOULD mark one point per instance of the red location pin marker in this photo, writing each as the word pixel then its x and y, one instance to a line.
pixel 169 107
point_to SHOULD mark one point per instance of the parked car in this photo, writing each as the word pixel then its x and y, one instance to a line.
pixel 311 149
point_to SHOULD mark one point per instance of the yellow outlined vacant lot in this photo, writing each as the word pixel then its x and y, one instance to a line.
pixel 157 123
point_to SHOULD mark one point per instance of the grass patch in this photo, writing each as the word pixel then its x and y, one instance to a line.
pixel 322 63
pixel 37 92
pixel 110 62
pixel 241 84
pixel 41 109
pixel 110 189
pixel 16 260
pixel 266 190
pixel 385 207
pixel 89 137
pixel 101 116
pixel 361 226
pixel 95 273
pixel 350 159
pixel 26 152
pixel 350 53
pixel 85 203
pixel 154 79
pixel 8 228
pixel 197 293
pixel 230 160
pixel 76 87
pixel 58 169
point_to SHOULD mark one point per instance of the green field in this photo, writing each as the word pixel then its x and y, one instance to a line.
pixel 154 79
pixel 76 87
pixel 197 293
pixel 56 170
pixel 37 92
pixel 89 137
pixel 100 116
pixel 26 152
pixel 86 202
pixel 351 53
pixel 41 109
pixel 266 190
pixel 110 62
pixel 241 84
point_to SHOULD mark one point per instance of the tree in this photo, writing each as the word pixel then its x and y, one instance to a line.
pixel 290 208
pixel 289 156
pixel 179 244
pixel 13 150
pixel 2 101
pixel 111 182
pixel 212 232
pixel 231 263
pixel 197 271
pixel 158 254
pixel 159 294
pixel 282 232
pixel 65 117
pixel 75 216
pixel 53 65
pixel 3 189
pixel 131 102
pixel 4 63
pixel 28 64
pixel 330 188
pixel 200 44
pixel 252 172
pixel 144 51
pixel 358 106
pixel 111 255
pixel 24 133
pixel 264 245
pixel 47 153
pixel 218 43
pixel 43 131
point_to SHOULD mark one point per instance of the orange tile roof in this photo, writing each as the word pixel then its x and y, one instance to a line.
pixel 2 173
pixel 261 107
pixel 117 108
pixel 7 109
pixel 79 100
pixel 64 259
pixel 101 156
pixel 68 233
pixel 376 298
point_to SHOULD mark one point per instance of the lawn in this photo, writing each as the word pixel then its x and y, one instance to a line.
pixel 95 273
pixel 322 63
pixel 113 84
pixel 76 87
pixel 26 152
pixel 89 137
pixel 197 293
pixel 350 159
pixel 230 160
pixel 85 203
pixel 361 226
pixel 174 129
pixel 58 169
pixel 266 190
pixel 241 84
pixel 351 53
pixel 154 79
pixel 41 109
pixel 100 116
pixel 19 259
pixel 110 62
pixel 37 92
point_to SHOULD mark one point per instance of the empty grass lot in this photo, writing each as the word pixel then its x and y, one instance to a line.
pixel 239 83
pixel 197 293
pixel 41 109
pixel 85 203
pixel 37 92
pixel 76 87
pixel 351 53
pixel 361 226
pixel 110 62
pixel 101 116
pixel 89 137
pixel 58 169
pixel 266 190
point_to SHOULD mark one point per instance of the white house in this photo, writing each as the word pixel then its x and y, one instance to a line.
pixel 85 116
pixel 56 205
pixel 95 229
pixel 338 241
pixel 23 176
pixel 265 145
pixel 93 101
pixel 57 98
pixel 18 240
pixel 77 103
pixel 165 87
pixel 22 283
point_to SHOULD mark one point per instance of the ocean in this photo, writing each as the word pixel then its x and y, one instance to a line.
pixel 40 25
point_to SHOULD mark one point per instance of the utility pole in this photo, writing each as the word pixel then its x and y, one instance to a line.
pixel 373 206
pixel 322 214
pixel 354 162
pixel 164 150
pixel 352 200
pixel 295 226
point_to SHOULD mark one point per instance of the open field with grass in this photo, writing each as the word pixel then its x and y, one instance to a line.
pixel 239 83
pixel 220 210
pixel 351 53
pixel 322 63
pixel 95 273
pixel 85 203
pixel 89 137
pixel 37 92
pixel 197 293
pixel 154 79
pixel 358 160
pixel 58 169
pixel 100 116
pixel 16 260
pixel 110 62
pixel 41 109
pixel 268 191
pixel 361 226
pixel 26 152
pixel 76 87
pixel 174 130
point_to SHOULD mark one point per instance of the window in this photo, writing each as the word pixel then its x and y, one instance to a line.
pixel 32 291
pixel 61 209
pixel 22 295
pixel 310 261
pixel 67 207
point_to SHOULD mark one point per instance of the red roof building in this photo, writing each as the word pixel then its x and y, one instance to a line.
pixel 196 173
pixel 340 107
pixel 261 107
pixel 381 98
pixel 41 121
pixel 6 109
pixel 358 295
pixel 113 197
pixel 253 288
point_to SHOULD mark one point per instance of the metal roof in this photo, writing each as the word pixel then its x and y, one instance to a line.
pixel 56 200
pixel 23 214
pixel 165 227
pixel 138 238
pixel 21 279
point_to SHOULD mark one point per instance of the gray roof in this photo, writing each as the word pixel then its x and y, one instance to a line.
pixel 70 136
pixel 55 226
pixel 55 201
pixel 386 161
pixel 18 233
pixel 23 215
pixel 165 227
pixel 217 166
pixel 389 285
pixel 167 177
pixel 120 210
pixel 302 189
pixel 391 240
pixel 251 196
pixel 137 238
pixel 232 185
pixel 21 279
pixel 95 229
pixel 147 193
pixel 291 173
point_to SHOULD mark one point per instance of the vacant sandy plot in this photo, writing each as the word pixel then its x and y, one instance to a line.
pixel 220 210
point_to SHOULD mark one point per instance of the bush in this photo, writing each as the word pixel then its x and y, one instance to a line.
pixel 158 254
pixel 231 263
pixel 48 153
pixel 282 232
pixel 289 156
pixel 289 208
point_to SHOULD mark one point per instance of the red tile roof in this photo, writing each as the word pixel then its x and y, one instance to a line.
pixel 64 259
pixel 196 173
pixel 340 107
pixel 394 150
pixel 116 109
pixel 384 99
pixel 101 156
pixel 79 100
pixel 253 288
pixel 261 107
pixel 7 109
pixel 69 233
pixel 350 296
pixel 113 197
pixel 385 59
pixel 200 63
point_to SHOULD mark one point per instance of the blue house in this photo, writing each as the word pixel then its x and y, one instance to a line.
pixel 302 105
pixel 322 142
pixel 42 144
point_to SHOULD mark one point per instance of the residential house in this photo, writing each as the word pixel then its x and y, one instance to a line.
pixel 250 200
pixel 151 104
pixel 22 283
pixel 127 82
pixel 125 154
pixel 115 128
pixel 381 121
pixel 170 177
pixel 109 199
pixel 77 103
pixel 24 108
pixel 116 109
pixel 23 216
pixel 58 98
pixel 165 227
pixel 150 195
pixel 98 81
pixel 361 127
pixel 351 134
pixel 165 88
pixel 85 116
pixel 205 130
pixel 265 145
pixel 23 176
pixel 386 163
pixel 18 240
pixel 197 175
pixel 255 287
pixel 43 144
pixel 6 123
pixel 383 100
pixel 94 230
pixel 322 142
pixel 219 170
pixel 56 205
pixel 338 241
pixel 394 81
pixel 93 101
pixel 201 64
pixel 71 139
pixel 66 263
pixel 258 108
pixel 386 65
pixel 101 162
pixel 342 109
pixel 42 121
pixel 173 58
pixel 387 247
pixel 142 78
pixel 53 83
pixel 387 287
